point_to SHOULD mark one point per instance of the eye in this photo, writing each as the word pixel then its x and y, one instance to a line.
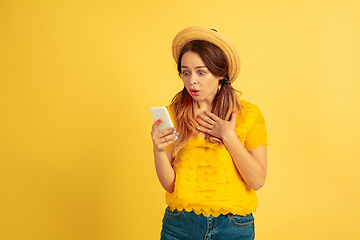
pixel 201 72
pixel 185 73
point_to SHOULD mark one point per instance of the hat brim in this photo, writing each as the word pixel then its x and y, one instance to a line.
pixel 200 33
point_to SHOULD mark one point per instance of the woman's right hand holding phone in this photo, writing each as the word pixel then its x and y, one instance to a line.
pixel 162 139
pixel 163 158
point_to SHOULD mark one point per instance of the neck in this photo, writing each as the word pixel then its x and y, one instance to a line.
pixel 203 105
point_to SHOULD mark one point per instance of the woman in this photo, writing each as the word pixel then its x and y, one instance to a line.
pixel 211 166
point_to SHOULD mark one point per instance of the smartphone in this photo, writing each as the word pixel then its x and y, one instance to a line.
pixel 161 113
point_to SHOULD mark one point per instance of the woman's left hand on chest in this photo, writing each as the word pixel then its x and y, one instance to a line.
pixel 215 126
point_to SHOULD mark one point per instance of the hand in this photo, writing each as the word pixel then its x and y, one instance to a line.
pixel 215 126
pixel 164 138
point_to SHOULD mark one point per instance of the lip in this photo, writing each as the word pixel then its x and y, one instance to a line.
pixel 194 92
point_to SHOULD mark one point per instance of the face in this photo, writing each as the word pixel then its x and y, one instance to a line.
pixel 198 80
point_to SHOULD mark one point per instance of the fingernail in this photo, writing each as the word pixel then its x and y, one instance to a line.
pixel 173 139
pixel 176 133
pixel 197 120
pixel 173 129
pixel 235 112
pixel 205 111
pixel 159 120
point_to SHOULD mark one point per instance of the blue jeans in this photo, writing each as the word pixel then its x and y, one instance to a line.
pixel 182 225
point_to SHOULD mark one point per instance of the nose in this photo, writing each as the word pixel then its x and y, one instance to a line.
pixel 193 79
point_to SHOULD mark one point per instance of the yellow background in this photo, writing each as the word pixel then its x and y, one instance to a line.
pixel 77 79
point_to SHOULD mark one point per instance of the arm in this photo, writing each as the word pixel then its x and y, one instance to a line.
pixel 162 157
pixel 252 164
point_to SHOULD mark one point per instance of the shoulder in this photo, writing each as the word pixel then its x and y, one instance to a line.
pixel 250 126
pixel 248 109
pixel 250 115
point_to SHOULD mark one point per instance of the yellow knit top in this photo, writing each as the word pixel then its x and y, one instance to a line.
pixel 207 181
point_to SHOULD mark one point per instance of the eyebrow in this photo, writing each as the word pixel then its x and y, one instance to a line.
pixel 195 67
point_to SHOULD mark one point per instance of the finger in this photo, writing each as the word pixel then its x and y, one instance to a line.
pixel 165 144
pixel 170 136
pixel 212 116
pixel 166 139
pixel 163 136
pixel 207 119
pixel 156 124
pixel 167 132
pixel 205 124
pixel 204 129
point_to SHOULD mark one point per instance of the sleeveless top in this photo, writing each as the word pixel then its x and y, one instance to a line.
pixel 207 181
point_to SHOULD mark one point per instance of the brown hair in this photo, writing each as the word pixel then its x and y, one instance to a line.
pixel 224 104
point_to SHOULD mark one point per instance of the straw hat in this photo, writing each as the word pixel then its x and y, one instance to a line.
pixel 200 33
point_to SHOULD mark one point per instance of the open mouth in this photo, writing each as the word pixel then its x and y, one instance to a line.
pixel 194 92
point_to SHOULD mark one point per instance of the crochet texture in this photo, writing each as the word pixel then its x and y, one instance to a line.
pixel 207 181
